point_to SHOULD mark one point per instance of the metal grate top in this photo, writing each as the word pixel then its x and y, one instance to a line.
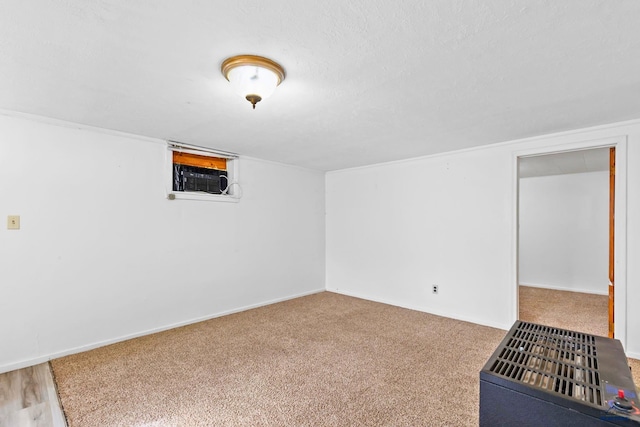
pixel 555 360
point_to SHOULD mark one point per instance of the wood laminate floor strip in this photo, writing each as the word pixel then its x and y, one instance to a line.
pixel 28 398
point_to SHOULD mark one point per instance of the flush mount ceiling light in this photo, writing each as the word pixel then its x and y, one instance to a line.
pixel 253 77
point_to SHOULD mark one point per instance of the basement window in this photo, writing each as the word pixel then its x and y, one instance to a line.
pixel 198 173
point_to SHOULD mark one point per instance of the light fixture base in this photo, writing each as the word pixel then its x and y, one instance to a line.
pixel 255 60
pixel 254 99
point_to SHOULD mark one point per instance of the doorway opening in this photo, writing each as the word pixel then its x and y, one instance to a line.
pixel 567 243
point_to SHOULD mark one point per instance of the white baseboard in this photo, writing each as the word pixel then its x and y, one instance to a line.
pixel 463 318
pixel 560 288
pixel 45 358
pixel 633 355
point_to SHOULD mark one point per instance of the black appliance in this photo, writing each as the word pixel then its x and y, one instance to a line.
pixel 193 178
pixel 545 376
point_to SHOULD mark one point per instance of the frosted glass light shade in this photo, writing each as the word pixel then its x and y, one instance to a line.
pixel 252 80
pixel 253 77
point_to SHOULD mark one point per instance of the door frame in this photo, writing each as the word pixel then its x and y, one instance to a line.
pixel 620 228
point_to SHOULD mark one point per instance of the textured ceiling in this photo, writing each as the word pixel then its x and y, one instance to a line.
pixel 367 80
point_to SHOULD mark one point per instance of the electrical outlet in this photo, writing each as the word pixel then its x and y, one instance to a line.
pixel 13 222
pixel 435 289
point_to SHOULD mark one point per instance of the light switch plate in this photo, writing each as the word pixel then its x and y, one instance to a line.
pixel 13 222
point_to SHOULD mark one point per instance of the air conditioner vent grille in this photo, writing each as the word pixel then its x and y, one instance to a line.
pixel 552 359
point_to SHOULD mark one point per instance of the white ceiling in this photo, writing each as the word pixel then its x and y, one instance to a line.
pixel 367 81
pixel 581 161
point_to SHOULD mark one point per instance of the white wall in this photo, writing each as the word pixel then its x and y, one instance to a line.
pixel 564 232
pixel 395 229
pixel 98 260
pixel 103 255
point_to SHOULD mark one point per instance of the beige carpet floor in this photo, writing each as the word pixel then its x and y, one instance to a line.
pixel 574 311
pixel 321 360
